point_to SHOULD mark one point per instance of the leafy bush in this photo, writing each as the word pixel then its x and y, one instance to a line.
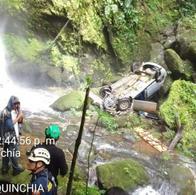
pixel 122 19
pixel 181 106
pixel 133 121
pixel 187 7
pixel 79 188
pixel 169 135
pixel 107 120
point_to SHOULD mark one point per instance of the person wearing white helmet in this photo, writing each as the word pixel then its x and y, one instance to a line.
pixel 38 159
pixel 58 164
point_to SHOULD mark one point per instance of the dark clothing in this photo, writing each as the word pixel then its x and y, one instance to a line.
pixel 11 150
pixel 9 137
pixel 7 125
pixel 57 160
pixel 45 182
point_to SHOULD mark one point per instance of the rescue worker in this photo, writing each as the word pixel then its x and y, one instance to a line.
pixel 10 117
pixel 58 164
pixel 42 181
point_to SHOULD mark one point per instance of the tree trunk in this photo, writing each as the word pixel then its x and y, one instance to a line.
pixel 178 135
pixel 77 144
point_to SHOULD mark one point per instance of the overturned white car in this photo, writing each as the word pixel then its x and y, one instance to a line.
pixel 139 84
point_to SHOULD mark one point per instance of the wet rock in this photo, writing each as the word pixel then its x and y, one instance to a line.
pixel 72 131
pixel 157 53
pixel 129 137
pixel 72 100
pixel 177 66
pixel 183 179
pixel 167 85
pixel 83 151
pixel 169 42
pixel 56 75
pixel 186 42
pixel 30 74
pixel 104 155
pixel 125 173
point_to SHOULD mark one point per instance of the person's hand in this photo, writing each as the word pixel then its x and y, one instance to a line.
pixel 20 117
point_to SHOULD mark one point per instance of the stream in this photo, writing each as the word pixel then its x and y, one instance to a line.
pixel 164 177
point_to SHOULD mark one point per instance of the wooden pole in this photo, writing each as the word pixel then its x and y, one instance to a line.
pixel 77 144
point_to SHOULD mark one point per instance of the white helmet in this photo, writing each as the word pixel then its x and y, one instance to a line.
pixel 40 154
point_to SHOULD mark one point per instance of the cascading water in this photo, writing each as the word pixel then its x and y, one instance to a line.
pixel 32 100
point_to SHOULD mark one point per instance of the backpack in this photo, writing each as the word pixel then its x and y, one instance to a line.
pixel 6 126
pixel 52 186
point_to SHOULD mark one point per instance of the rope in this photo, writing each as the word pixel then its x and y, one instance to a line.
pixel 58 35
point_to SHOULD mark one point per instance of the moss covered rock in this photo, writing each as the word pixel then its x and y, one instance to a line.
pixel 125 173
pixel 72 100
pixel 186 38
pixel 177 65
pixel 183 178
pixel 181 106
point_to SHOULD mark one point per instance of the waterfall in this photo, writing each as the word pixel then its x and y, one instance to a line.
pixel 32 100
pixel 4 79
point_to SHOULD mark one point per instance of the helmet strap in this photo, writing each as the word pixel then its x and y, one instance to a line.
pixel 37 169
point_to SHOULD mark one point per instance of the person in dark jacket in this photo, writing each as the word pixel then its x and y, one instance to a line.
pixel 58 164
pixel 42 181
pixel 11 115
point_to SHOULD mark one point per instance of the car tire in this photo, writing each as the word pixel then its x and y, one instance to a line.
pixel 104 91
pixel 124 104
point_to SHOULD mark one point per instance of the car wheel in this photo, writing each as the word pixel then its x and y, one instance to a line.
pixel 104 91
pixel 124 104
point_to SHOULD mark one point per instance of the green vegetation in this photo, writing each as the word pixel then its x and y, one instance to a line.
pixel 127 174
pixel 23 178
pixel 128 25
pixel 86 20
pixel 128 121
pixel 107 120
pixel 121 18
pixel 25 49
pixel 79 188
pixel 168 135
pixel 187 8
pixel 181 106
pixel 65 61
pixel 12 6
